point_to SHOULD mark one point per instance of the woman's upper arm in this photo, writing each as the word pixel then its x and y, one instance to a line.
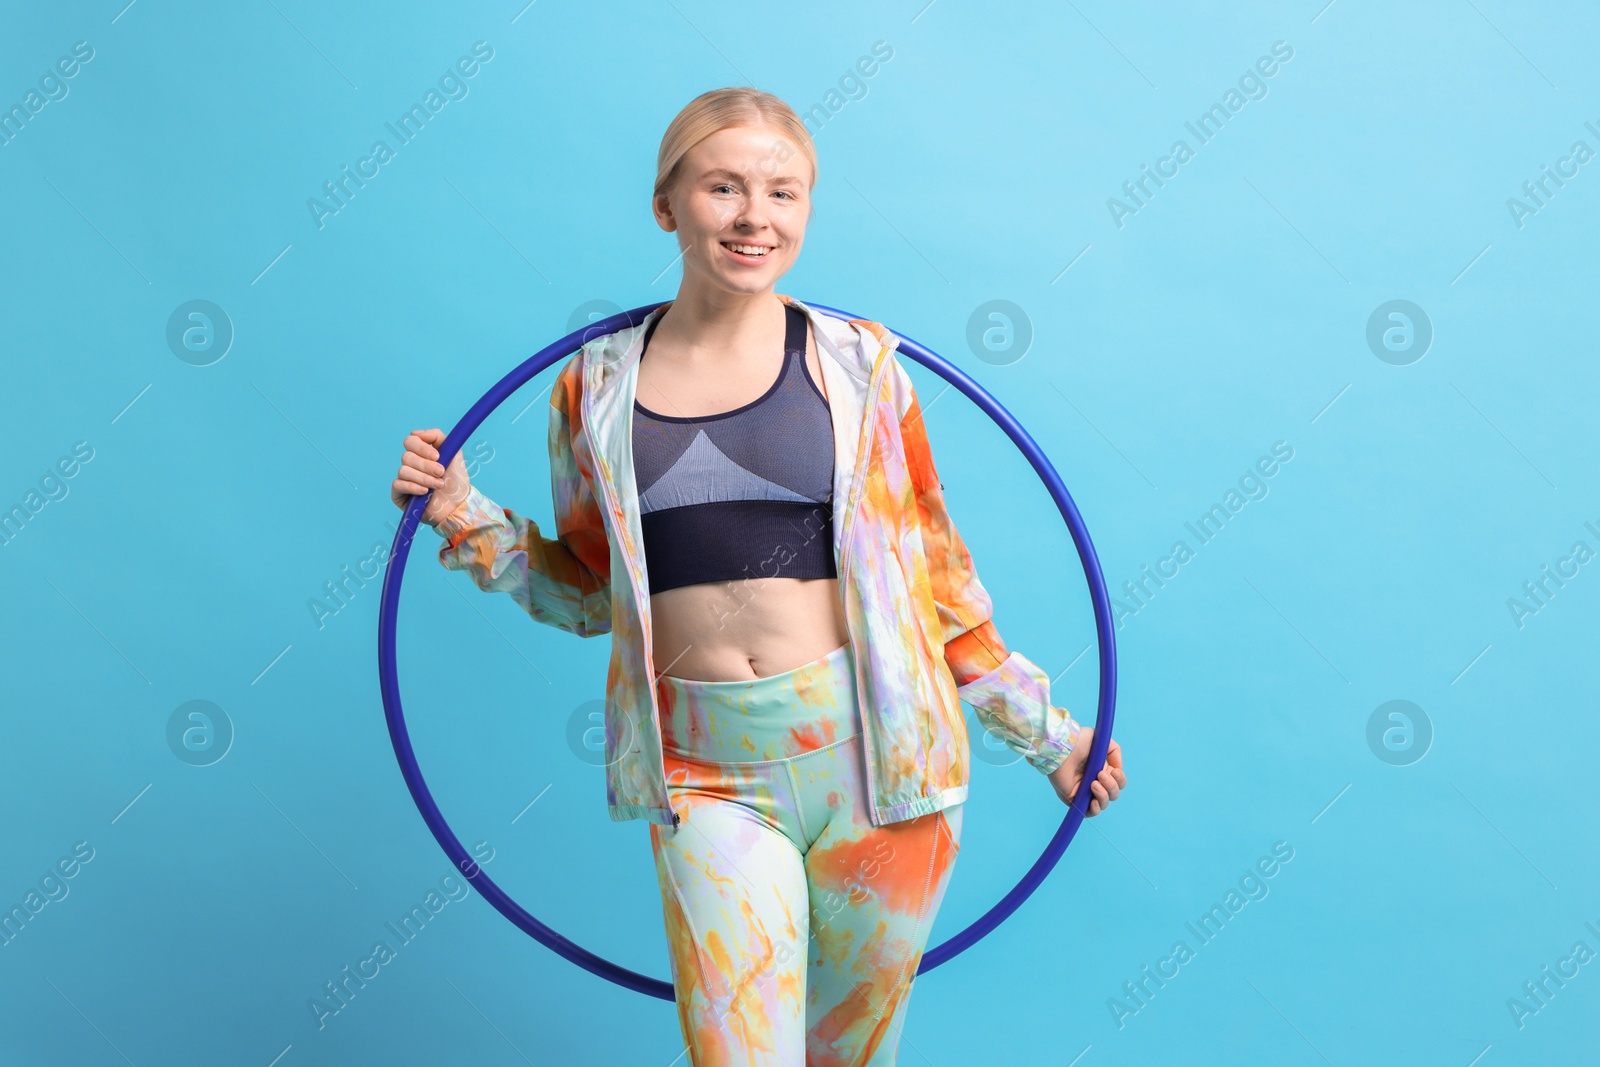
pixel 973 646
pixel 579 522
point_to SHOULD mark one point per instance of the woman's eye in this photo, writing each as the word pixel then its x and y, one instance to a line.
pixel 719 188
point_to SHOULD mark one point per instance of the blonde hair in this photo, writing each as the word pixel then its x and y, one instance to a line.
pixel 721 109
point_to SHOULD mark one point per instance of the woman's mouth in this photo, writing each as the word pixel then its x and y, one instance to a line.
pixel 747 253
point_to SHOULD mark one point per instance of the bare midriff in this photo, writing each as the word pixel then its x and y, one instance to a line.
pixel 747 628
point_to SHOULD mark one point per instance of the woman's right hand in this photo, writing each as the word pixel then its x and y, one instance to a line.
pixel 421 471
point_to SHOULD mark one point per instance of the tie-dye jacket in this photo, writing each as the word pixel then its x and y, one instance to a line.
pixel 919 620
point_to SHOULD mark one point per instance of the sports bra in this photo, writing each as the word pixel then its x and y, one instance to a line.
pixel 746 493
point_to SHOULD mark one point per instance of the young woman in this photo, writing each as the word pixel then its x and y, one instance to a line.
pixel 745 499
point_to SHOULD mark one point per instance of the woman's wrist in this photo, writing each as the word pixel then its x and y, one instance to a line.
pixel 466 513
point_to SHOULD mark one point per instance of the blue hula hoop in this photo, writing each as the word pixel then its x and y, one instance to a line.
pixel 388 672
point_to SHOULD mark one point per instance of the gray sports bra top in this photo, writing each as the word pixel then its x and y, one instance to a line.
pixel 746 493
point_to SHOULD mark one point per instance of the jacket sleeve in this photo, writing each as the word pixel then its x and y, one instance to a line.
pixel 1009 693
pixel 563 582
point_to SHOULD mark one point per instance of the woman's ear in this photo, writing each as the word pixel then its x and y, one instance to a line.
pixel 661 206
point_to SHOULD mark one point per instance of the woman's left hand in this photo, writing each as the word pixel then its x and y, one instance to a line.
pixel 1106 786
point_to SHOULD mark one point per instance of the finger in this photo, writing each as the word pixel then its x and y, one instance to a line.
pixel 425 449
pixel 406 485
pixel 419 482
pixel 425 442
pixel 414 475
pixel 421 461
pixel 428 467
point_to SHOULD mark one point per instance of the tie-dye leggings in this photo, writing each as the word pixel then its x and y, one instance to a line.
pixel 794 925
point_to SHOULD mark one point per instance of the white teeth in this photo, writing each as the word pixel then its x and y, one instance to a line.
pixel 749 250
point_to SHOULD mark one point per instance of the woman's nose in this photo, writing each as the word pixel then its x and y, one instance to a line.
pixel 750 215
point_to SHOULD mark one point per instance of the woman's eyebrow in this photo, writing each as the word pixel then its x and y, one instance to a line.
pixel 723 172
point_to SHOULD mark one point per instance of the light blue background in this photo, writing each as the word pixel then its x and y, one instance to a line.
pixel 1229 313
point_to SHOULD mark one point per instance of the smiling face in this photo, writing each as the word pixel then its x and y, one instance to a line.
pixel 739 205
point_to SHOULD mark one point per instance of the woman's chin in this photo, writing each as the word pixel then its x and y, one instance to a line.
pixel 745 283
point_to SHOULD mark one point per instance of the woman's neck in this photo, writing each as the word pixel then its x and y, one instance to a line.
pixel 712 320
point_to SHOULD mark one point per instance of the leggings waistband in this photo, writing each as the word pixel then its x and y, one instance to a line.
pixel 775 717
